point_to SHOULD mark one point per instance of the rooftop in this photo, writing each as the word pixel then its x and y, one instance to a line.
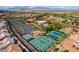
pixel 5 39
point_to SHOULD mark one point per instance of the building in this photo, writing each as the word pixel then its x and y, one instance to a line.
pixel 40 22
pixel 76 41
pixel 24 29
pixel 67 30
pixel 45 25
pixel 38 32
pixel 21 27
pixel 6 42
pixel 3 23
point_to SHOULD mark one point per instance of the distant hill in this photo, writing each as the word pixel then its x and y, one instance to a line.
pixel 14 8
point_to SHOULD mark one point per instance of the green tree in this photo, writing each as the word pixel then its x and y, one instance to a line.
pixel 54 26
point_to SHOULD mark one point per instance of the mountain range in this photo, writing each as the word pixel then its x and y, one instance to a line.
pixel 14 8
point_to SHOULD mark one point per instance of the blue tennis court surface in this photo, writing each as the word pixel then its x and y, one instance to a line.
pixel 52 36
pixel 56 35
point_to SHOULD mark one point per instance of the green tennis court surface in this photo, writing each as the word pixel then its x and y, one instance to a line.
pixel 42 43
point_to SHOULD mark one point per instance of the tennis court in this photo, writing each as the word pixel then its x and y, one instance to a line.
pixel 42 43
pixel 56 35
